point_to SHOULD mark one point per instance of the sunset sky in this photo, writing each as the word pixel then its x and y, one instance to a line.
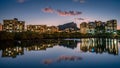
pixel 55 12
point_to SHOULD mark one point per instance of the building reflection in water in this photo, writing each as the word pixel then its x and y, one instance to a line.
pixel 14 49
pixel 40 47
pixel 12 52
pixel 99 45
pixel 72 44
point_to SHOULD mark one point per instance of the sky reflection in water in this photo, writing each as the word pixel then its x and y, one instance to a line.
pixel 87 52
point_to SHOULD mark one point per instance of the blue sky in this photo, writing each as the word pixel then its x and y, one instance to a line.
pixel 55 12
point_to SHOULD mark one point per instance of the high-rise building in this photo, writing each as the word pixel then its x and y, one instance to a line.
pixel 91 27
pixel 84 28
pixel 111 26
pixel 0 27
pixel 100 27
pixel 13 25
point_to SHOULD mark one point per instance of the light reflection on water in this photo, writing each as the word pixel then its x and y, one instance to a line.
pixel 85 52
pixel 100 45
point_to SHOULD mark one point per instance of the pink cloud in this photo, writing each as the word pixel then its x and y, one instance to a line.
pixel 48 10
pixel 60 12
pixel 68 13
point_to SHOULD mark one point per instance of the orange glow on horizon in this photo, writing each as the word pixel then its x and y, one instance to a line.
pixel 118 27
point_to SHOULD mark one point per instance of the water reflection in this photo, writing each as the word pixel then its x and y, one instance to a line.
pixel 12 52
pixel 68 58
pixel 69 43
pixel 62 58
pixel 97 45
pixel 13 49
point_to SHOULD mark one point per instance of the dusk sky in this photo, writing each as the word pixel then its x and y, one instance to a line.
pixel 56 12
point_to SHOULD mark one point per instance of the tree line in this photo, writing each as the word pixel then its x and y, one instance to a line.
pixel 57 35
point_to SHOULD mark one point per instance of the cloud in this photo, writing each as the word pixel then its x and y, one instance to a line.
pixel 68 13
pixel 60 12
pixel 79 19
pixel 75 0
pixel 48 10
pixel 21 1
pixel 81 1
pixel 84 19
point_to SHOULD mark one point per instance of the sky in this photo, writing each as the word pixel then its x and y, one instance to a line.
pixel 56 12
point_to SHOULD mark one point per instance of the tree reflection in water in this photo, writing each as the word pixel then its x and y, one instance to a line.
pixel 97 45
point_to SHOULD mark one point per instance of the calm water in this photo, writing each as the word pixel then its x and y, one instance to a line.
pixel 72 53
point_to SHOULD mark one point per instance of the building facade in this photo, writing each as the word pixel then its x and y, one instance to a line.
pixel 42 28
pixel 0 27
pixel 99 27
pixel 91 27
pixel 84 27
pixel 13 25
pixel 111 26
pixel 52 29
pixel 37 28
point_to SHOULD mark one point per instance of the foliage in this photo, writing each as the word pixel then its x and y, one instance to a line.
pixel 57 35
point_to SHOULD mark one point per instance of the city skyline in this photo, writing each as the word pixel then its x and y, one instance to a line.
pixel 56 12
